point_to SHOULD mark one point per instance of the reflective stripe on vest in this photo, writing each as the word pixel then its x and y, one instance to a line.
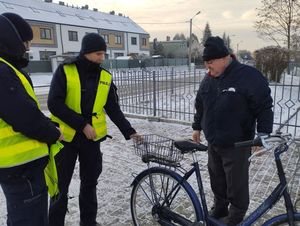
pixel 16 148
pixel 73 101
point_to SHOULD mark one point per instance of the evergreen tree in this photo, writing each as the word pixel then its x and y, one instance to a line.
pixel 229 44
pixel 206 34
pixel 224 37
pixel 158 49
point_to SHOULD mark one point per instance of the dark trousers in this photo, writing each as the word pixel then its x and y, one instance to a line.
pixel 90 167
pixel 229 174
pixel 26 198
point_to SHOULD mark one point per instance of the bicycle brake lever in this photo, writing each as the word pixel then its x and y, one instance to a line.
pixel 264 143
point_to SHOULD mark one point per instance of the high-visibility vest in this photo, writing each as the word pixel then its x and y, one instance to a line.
pixel 17 149
pixel 73 101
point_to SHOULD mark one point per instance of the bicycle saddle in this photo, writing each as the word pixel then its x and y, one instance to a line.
pixel 189 146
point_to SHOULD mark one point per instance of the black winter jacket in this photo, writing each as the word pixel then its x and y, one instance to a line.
pixel 89 76
pixel 17 108
pixel 229 106
pixel 20 111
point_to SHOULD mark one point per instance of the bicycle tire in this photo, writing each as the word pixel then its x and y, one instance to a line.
pixel 144 205
pixel 282 220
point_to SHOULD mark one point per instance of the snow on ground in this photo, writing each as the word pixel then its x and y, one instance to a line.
pixel 120 162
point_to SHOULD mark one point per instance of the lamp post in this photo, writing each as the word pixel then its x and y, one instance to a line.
pixel 190 44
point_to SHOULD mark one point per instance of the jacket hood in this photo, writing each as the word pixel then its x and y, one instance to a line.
pixel 11 43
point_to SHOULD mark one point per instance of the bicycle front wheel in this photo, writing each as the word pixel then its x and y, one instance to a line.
pixel 282 220
pixel 160 197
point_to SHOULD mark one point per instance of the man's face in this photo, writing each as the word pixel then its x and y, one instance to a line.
pixel 27 45
pixel 216 67
pixel 96 57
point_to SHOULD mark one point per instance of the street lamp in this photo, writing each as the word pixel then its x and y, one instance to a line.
pixel 190 44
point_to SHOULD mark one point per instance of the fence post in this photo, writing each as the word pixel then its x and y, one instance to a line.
pixel 143 80
pixel 154 94
pixel 172 80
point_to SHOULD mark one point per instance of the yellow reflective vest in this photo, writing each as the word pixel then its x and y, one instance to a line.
pixel 17 149
pixel 73 101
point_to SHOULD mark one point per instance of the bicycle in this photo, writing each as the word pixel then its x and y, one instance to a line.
pixel 161 196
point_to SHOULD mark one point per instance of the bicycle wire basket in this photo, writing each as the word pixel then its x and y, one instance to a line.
pixel 158 149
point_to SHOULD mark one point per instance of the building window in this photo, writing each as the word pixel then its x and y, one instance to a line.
pixel 45 33
pixel 45 55
pixel 133 41
pixel 118 54
pixel 106 39
pixel 118 39
pixel 73 36
pixel 144 41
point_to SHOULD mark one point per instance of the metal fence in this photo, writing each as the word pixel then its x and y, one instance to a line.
pixel 144 63
pixel 169 93
pixel 166 93
pixel 286 97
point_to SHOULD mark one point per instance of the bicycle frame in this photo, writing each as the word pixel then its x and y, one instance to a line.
pixel 270 201
pixel 279 191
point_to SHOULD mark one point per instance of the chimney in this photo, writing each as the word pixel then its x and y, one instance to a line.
pixel 120 14
pixel 49 1
pixel 112 12
pixel 61 3
pixel 168 38
pixel 95 9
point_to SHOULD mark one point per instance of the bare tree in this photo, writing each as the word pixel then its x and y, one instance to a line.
pixel 278 20
pixel 179 37
pixel 271 61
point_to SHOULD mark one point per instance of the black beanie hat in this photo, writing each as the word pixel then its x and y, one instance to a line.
pixel 22 27
pixel 214 49
pixel 92 42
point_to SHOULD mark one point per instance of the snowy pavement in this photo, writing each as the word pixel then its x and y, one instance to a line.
pixel 119 162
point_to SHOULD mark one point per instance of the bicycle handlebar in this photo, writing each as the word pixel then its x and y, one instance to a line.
pixel 249 143
pixel 266 141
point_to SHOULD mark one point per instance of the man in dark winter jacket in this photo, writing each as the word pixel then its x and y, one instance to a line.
pixel 81 93
pixel 233 100
pixel 25 132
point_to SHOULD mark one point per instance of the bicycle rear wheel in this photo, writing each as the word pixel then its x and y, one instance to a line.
pixel 157 198
pixel 282 220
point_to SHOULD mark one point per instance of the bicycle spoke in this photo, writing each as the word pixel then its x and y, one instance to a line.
pixel 160 199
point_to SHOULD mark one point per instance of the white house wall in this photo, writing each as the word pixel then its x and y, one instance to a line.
pixel 133 48
pixel 74 46
pixel 67 18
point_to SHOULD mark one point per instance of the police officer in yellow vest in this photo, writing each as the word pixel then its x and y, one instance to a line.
pixel 25 132
pixel 81 93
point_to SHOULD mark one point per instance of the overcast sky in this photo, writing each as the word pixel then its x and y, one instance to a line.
pixel 235 17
